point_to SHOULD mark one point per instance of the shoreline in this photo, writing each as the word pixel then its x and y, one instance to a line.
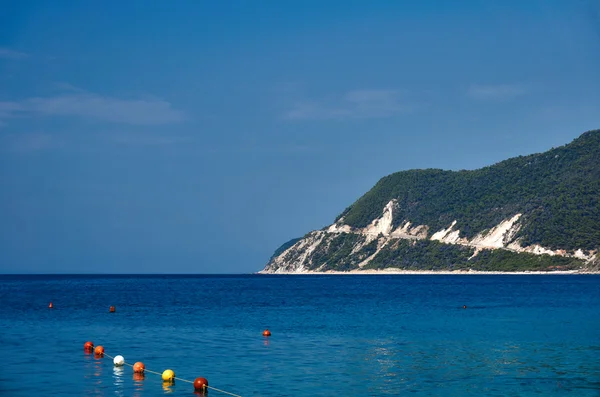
pixel 396 271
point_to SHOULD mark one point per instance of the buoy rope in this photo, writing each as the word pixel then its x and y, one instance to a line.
pixel 223 391
pixel 176 378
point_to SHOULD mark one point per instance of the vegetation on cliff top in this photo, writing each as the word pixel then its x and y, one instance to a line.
pixel 285 246
pixel 558 193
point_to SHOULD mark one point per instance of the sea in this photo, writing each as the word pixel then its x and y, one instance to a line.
pixel 331 335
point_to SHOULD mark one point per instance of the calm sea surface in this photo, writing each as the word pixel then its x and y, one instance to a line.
pixel 331 335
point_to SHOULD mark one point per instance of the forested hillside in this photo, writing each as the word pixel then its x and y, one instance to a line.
pixel 557 192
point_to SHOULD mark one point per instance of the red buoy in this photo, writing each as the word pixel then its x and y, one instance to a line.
pixel 88 346
pixel 99 351
pixel 266 332
pixel 50 306
pixel 112 309
pixel 139 367
pixel 200 384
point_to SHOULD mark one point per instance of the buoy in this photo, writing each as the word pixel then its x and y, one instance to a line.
pixel 139 367
pixel 119 361
pixel 99 351
pixel 464 306
pixel 50 306
pixel 266 332
pixel 88 346
pixel 200 384
pixel 168 375
pixel 112 309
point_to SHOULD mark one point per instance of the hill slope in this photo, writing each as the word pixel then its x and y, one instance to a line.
pixel 501 217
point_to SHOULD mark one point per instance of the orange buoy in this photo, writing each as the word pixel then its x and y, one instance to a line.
pixel 112 309
pixel 139 367
pixel 200 384
pixel 88 346
pixel 50 306
pixel 266 332
pixel 99 351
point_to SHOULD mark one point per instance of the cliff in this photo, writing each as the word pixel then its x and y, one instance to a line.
pixel 536 212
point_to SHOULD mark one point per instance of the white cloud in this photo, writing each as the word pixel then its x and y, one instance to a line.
pixel 352 105
pixel 497 91
pixel 10 54
pixel 87 105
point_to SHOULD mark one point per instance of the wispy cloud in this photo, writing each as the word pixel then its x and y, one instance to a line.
pixel 7 109
pixel 497 91
pixel 28 142
pixel 11 54
pixel 353 105
pixel 86 105
pixel 585 112
pixel 63 87
pixel 146 139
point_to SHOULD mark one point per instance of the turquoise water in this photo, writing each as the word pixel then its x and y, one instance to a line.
pixel 331 335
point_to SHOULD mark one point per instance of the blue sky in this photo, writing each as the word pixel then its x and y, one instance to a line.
pixel 197 136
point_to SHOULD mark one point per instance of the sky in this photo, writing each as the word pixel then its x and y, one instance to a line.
pixel 198 136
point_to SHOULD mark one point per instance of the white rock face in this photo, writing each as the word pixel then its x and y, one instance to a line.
pixel 382 225
pixel 410 233
pixel 538 250
pixel 297 259
pixel 498 236
pixel 297 263
pixel 339 228
pixel 444 234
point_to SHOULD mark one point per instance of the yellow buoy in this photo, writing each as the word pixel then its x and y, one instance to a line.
pixel 168 375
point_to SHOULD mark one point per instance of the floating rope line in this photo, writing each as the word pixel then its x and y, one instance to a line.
pixel 176 378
